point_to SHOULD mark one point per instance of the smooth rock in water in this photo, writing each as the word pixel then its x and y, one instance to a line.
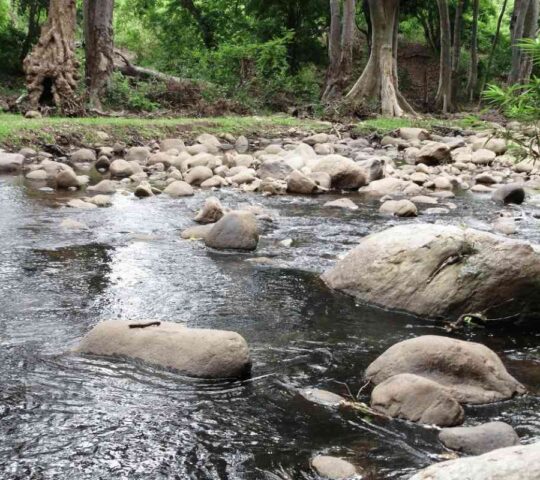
pixel 510 193
pixel 242 144
pixel 434 154
pixel 10 162
pixel 526 166
pixel 198 175
pixel 100 200
pixel 344 172
pixel 483 157
pixel 235 230
pixel 37 175
pixel 179 189
pixel 399 208
pixel 373 169
pixel 67 179
pixel 409 133
pixel 511 463
pixel 391 186
pixel 297 182
pixel 172 144
pixel 321 397
pixel 442 271
pixel 505 225
pixel 417 399
pixel 442 183
pixel 70 224
pixel 469 372
pixel 270 186
pixel 479 439
pixel 333 468
pixel 138 154
pixel 78 203
pixel 211 212
pixel 436 211
pixel 198 232
pixel 196 352
pixel 160 157
pixel 83 155
pixel 215 182
pixel 143 190
pixel 321 179
pixel 425 200
pixel 276 169
pixel 121 169
pixel 496 145
pixel 105 186
pixel 317 138
pixel 344 203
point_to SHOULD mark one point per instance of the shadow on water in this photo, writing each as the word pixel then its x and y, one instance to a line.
pixel 65 416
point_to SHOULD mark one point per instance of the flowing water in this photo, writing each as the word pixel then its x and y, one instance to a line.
pixel 64 416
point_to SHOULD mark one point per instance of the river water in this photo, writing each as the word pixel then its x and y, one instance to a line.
pixel 64 416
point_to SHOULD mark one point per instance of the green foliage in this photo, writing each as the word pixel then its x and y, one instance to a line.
pixel 10 61
pixel 124 93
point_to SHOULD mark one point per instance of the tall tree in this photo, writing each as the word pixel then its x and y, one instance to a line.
pixel 99 47
pixel 51 67
pixel 444 99
pixel 340 48
pixel 456 46
pixel 379 80
pixel 472 78
pixel 524 25
pixel 494 45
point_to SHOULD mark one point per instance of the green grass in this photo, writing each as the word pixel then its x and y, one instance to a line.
pixel 16 131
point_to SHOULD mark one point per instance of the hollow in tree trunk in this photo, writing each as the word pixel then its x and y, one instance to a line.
pixel 340 48
pixel 99 48
pixel 378 84
pixel 51 67
pixel 445 98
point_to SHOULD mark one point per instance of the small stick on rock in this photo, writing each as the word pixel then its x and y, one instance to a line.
pixel 145 325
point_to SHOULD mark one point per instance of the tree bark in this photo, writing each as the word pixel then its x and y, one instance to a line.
pixel 51 67
pixel 472 79
pixel 456 47
pixel 378 83
pixel 494 45
pixel 340 48
pixel 444 99
pixel 99 48
pixel 524 25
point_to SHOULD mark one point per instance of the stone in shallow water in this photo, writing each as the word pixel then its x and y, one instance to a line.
pixel 341 203
pixel 236 230
pixel 479 439
pixel 511 463
pixel 333 468
pixel 196 352
pixel 469 372
pixel 321 397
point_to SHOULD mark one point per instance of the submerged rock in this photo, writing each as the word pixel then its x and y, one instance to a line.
pixel 211 212
pixel 344 203
pixel 236 230
pixel 511 463
pixel 345 174
pixel 10 162
pixel 333 468
pixel 479 439
pixel 196 352
pixel 198 232
pixel 442 271
pixel 417 399
pixel 469 372
pixel 399 208
pixel 179 188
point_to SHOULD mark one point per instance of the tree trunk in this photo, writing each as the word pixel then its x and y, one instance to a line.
pixel 444 99
pixel 472 80
pixel 530 31
pixel 340 48
pixel 51 67
pixel 98 47
pixel 456 47
pixel 378 82
pixel 524 25
pixel 205 27
pixel 494 45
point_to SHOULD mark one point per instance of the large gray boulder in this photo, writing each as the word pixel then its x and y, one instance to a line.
pixel 345 174
pixel 417 399
pixel 235 230
pixel 442 271
pixel 469 372
pixel 434 153
pixel 10 162
pixel 83 155
pixel 510 193
pixel 511 463
pixel 275 168
pixel 179 188
pixel 480 438
pixel 197 352
pixel 121 168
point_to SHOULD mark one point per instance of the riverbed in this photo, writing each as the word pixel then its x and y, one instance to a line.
pixel 65 416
